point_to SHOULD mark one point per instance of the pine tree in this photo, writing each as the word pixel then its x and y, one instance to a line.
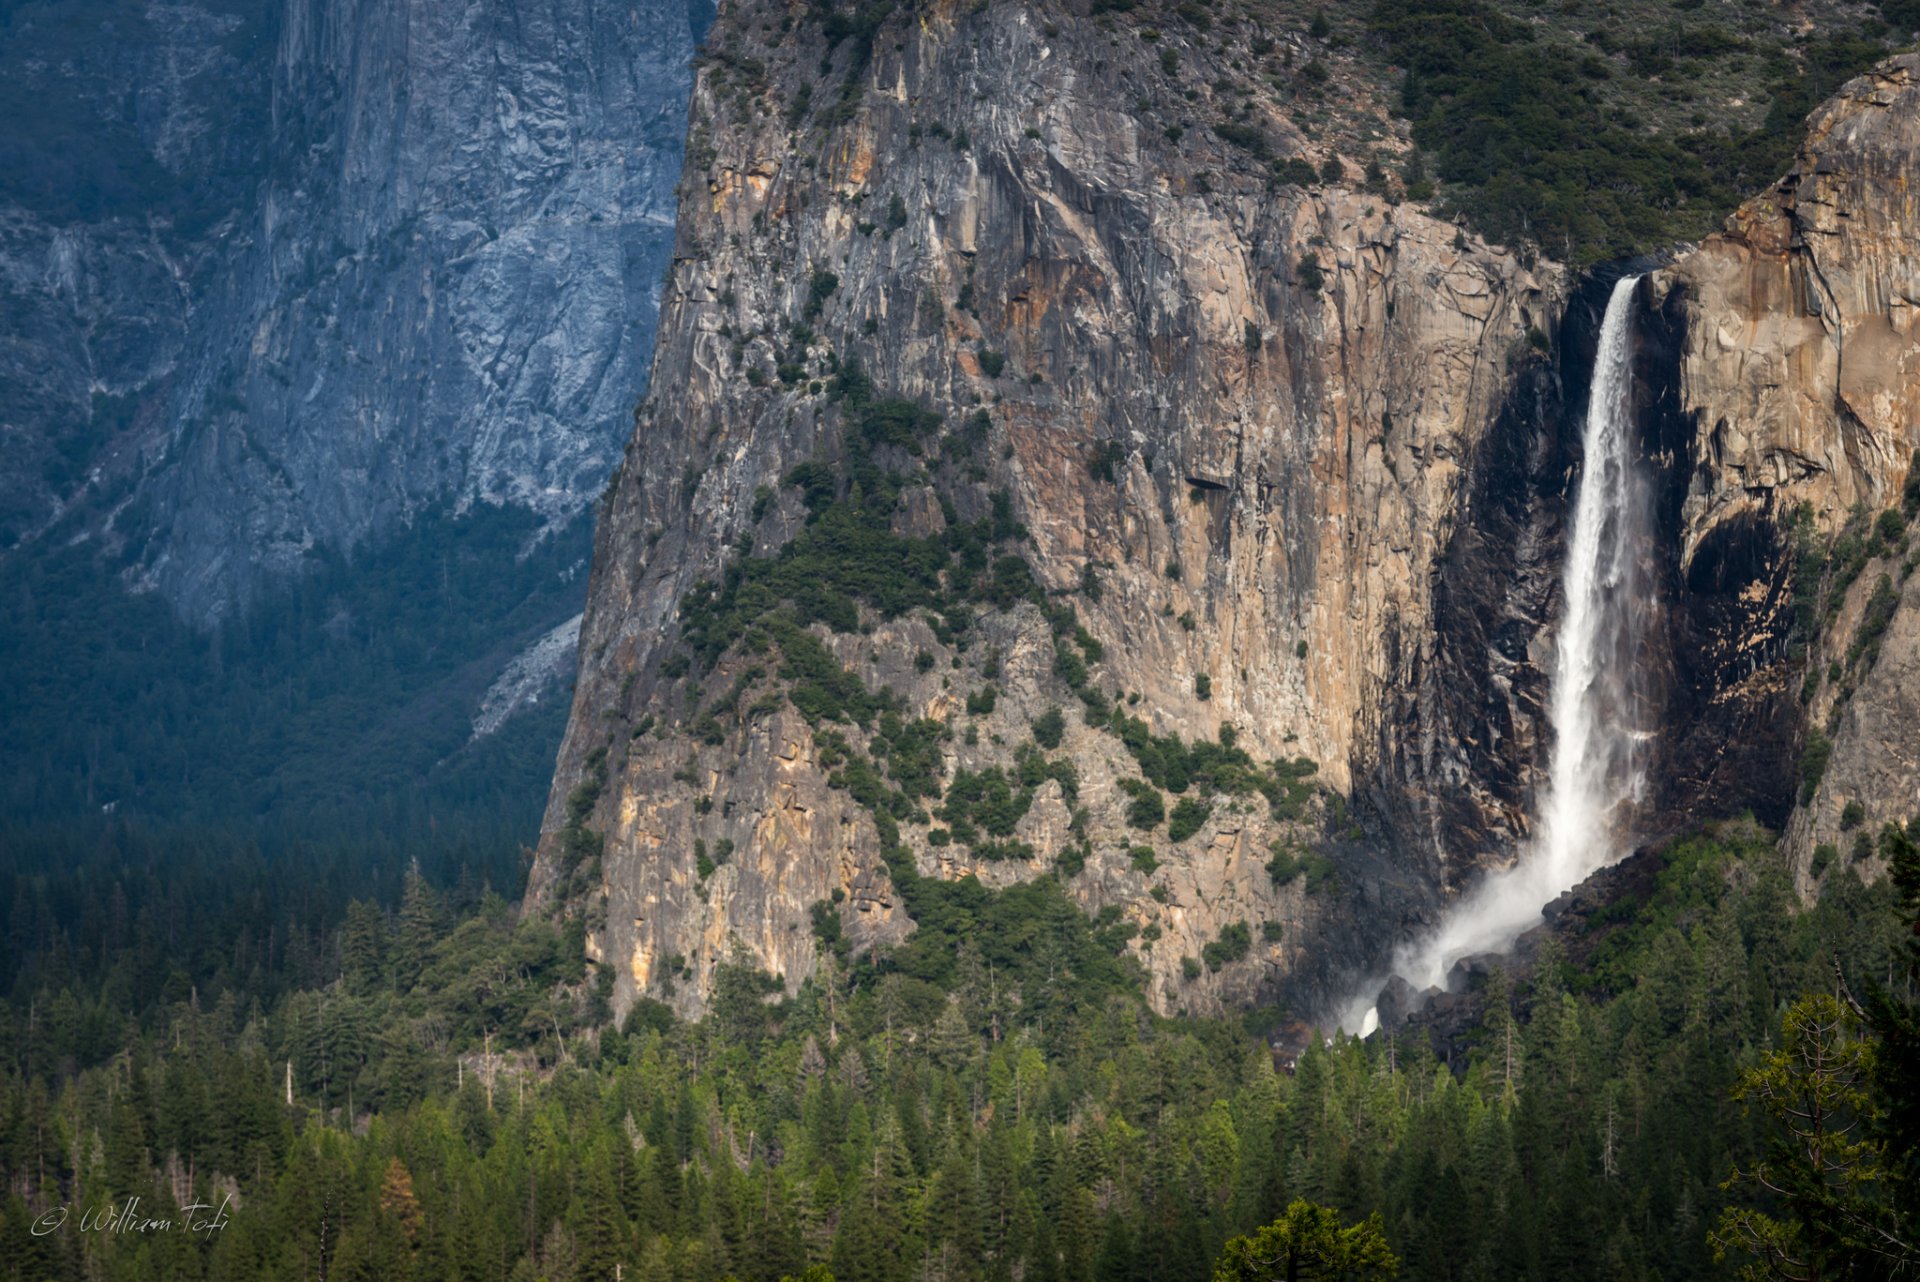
pixel 1825 1168
pixel 363 944
pixel 1504 1035
pixel 1893 1013
pixel 419 928
pixel 1308 1241
pixel 599 1227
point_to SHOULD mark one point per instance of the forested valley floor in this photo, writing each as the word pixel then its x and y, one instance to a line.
pixel 993 1099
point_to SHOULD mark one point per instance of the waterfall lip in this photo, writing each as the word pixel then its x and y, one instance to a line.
pixel 1596 771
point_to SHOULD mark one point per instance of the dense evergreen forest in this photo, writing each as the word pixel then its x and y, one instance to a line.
pixel 338 708
pixel 992 1099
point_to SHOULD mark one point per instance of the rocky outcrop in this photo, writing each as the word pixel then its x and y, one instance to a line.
pixel 1795 389
pixel 1235 418
pixel 352 260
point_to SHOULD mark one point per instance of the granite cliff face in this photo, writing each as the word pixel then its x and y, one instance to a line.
pixel 1235 419
pixel 1792 417
pixel 323 267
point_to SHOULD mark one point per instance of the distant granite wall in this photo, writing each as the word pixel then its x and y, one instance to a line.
pixel 330 265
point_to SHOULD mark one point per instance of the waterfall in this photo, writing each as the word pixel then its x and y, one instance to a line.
pixel 1599 702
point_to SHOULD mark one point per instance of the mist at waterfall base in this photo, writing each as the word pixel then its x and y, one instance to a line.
pixel 1597 707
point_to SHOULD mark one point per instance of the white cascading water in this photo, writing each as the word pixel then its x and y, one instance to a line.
pixel 1598 702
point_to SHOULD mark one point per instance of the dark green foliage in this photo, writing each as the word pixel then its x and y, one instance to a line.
pixel 854 25
pixel 982 701
pixel 1530 153
pixel 1286 787
pixel 1176 766
pixel 1247 137
pixel 820 288
pixel 992 362
pixel 1069 666
pixel 1147 810
pixel 989 801
pixel 1850 554
pixel 1234 942
pixel 1893 1016
pixel 340 707
pixel 1297 171
pixel 800 107
pixel 1813 763
pixel 1809 565
pixel 1852 815
pixel 1823 856
pixel 1107 456
pixel 984 807
pixel 1089 647
pixel 1873 624
pixel 821 689
pixel 1189 813
pixel 1048 728
pixel 1203 687
pixel 847 556
pixel 912 752
pixel 852 770
pixel 1309 273
pixel 1033 767
pixel 1290 861
pixel 997 1071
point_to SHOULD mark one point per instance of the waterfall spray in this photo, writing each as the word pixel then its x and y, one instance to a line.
pixel 1598 706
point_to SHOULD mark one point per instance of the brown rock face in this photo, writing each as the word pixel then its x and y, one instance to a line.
pixel 1242 412
pixel 1794 384
pixel 1297 459
pixel 1801 358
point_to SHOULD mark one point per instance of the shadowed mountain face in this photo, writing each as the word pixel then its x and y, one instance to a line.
pixel 314 284
pixel 321 268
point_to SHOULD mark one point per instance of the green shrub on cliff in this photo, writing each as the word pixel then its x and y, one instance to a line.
pixel 1189 813
pixel 1233 942
pixel 1290 861
pixel 1147 810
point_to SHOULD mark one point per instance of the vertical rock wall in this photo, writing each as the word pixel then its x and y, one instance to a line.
pixel 419 269
pixel 1243 411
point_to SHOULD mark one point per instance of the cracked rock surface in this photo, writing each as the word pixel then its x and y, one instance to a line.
pixel 1246 412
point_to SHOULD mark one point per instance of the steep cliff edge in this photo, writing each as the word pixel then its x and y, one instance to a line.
pixel 1029 299
pixel 1793 417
